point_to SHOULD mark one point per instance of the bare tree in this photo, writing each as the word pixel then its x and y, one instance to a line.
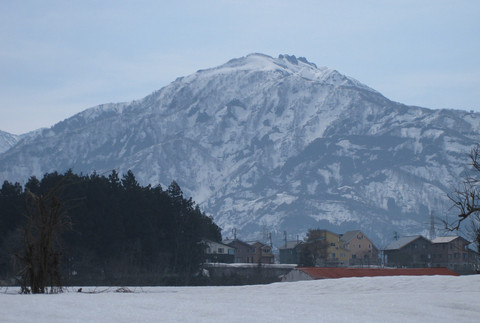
pixel 314 250
pixel 46 219
pixel 466 199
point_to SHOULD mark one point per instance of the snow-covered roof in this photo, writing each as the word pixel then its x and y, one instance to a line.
pixel 210 242
pixel 444 239
pixel 401 242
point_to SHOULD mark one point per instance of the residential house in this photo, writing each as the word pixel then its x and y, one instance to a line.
pixel 453 252
pixel 218 252
pixel 244 252
pixel 328 249
pixel 337 253
pixel 413 251
pixel 262 253
pixel 290 252
pixel 362 250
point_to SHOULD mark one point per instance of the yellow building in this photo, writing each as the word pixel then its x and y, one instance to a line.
pixel 327 248
pixel 337 253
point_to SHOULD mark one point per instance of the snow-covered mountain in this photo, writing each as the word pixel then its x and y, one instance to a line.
pixel 7 141
pixel 271 144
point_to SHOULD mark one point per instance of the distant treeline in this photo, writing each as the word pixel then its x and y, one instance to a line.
pixel 122 233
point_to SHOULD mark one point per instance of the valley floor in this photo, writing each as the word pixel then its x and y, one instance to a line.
pixel 368 299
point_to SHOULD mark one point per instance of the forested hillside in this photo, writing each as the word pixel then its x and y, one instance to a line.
pixel 121 233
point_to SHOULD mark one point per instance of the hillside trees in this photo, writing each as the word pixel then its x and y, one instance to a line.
pixel 122 232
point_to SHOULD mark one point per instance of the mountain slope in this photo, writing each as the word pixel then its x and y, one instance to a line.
pixel 270 144
pixel 7 141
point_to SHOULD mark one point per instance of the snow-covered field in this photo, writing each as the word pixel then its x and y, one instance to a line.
pixel 369 299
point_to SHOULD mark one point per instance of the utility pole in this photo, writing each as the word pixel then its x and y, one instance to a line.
pixel 432 226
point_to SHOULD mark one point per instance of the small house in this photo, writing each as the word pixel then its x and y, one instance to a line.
pixel 362 250
pixel 218 252
pixel 453 252
pixel 290 252
pixel 412 252
pixel 244 252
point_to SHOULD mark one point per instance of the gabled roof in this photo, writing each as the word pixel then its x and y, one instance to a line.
pixel 402 242
pixel 255 242
pixel 340 272
pixel 349 235
pixel 446 239
pixel 236 241
pixel 291 244
pixel 218 243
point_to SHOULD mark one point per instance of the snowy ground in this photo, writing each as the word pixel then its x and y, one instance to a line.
pixel 375 299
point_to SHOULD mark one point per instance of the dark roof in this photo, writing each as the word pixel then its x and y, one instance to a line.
pixel 402 242
pixel 232 242
pixel 340 272
pixel 291 244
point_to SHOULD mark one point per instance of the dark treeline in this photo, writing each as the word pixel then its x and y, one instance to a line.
pixel 122 233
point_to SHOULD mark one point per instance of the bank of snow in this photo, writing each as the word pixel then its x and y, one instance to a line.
pixel 369 299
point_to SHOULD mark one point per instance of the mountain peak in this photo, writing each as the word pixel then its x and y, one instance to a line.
pixel 284 65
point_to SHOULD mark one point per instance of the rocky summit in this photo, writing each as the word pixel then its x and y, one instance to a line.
pixel 271 145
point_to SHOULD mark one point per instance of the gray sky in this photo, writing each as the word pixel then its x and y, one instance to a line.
pixel 58 58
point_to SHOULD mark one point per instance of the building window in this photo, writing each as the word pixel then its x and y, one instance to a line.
pixel 332 244
pixel 456 255
pixel 359 245
pixel 220 250
pixel 333 255
pixel 464 256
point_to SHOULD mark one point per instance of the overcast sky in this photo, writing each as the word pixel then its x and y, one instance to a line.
pixel 58 58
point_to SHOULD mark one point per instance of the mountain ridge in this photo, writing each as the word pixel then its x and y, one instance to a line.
pixel 240 138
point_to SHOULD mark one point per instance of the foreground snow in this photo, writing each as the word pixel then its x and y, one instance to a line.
pixel 369 299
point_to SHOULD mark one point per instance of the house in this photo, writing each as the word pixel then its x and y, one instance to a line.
pixel 453 252
pixel 290 252
pixel 413 252
pixel 262 253
pixel 362 249
pixel 326 248
pixel 313 273
pixel 218 252
pixel 244 252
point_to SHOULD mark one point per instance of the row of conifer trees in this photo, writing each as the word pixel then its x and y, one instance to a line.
pixel 114 231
